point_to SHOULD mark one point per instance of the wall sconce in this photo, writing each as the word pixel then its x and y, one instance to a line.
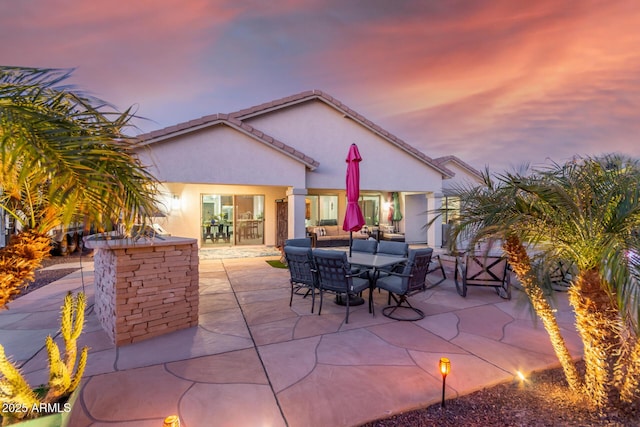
pixel 171 421
pixel 175 202
pixel 445 368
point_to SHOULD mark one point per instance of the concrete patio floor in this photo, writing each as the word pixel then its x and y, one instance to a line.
pixel 255 361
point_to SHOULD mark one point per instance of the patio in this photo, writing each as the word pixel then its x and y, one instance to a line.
pixel 254 361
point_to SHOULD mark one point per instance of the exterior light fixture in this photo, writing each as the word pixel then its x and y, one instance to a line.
pixel 521 378
pixel 445 368
pixel 175 202
pixel 171 421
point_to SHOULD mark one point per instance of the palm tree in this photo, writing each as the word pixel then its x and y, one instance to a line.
pixel 492 212
pixel 586 212
pixel 65 159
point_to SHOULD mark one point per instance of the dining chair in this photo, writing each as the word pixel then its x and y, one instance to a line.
pixel 362 245
pixel 395 249
pixel 389 248
pixel 302 271
pixel 401 285
pixel 335 275
pixel 303 242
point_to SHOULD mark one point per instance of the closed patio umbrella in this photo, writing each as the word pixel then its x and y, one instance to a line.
pixel 353 219
pixel 397 215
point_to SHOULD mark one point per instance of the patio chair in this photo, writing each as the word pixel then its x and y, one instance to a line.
pixel 302 271
pixel 436 265
pixel 304 242
pixel 561 276
pixel 389 248
pixel 301 243
pixel 368 246
pixel 408 282
pixel 483 270
pixel 335 275
pixel 395 249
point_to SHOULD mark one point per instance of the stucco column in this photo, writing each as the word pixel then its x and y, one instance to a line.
pixel 434 233
pixel 296 204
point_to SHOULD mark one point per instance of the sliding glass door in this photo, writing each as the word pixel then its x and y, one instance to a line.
pixel 232 220
pixel 249 220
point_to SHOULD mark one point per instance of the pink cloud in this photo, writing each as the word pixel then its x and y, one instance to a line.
pixel 463 77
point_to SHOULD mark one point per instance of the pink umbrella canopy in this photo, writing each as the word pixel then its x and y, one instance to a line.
pixel 353 219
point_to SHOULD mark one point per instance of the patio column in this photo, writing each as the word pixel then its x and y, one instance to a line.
pixel 296 203
pixel 434 233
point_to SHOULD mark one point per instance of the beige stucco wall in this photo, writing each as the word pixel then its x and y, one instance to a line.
pixel 221 155
pixel 463 177
pixel 224 160
pixel 325 134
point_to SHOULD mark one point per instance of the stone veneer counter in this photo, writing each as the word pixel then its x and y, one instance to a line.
pixel 145 288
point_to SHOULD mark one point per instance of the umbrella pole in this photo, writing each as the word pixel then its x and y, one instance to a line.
pixel 350 242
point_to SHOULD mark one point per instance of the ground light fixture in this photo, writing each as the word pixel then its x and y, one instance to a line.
pixel 521 378
pixel 171 421
pixel 445 368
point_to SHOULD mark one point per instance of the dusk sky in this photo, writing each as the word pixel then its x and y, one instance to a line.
pixel 497 82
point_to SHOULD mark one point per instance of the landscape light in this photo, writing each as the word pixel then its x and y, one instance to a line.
pixel 445 368
pixel 521 378
pixel 171 421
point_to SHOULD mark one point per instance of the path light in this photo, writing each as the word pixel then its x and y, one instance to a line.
pixel 521 378
pixel 171 421
pixel 445 368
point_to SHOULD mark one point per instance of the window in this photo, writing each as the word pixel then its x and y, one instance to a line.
pixel 312 211
pixel 370 207
pixel 452 209
pixel 329 208
pixel 320 209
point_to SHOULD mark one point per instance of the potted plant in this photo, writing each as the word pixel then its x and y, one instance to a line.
pixel 51 403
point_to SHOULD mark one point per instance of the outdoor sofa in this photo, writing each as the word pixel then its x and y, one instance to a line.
pixel 329 234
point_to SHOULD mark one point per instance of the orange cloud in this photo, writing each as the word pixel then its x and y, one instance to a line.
pixel 462 77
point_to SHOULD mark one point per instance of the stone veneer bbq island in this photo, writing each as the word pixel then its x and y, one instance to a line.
pixel 145 287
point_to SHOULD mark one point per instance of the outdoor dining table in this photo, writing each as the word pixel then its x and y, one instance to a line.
pixel 374 263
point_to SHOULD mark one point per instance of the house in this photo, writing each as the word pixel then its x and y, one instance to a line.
pixel 276 170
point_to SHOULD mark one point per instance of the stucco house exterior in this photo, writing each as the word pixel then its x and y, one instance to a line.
pixel 277 170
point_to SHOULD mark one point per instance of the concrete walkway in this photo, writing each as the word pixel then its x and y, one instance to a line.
pixel 255 361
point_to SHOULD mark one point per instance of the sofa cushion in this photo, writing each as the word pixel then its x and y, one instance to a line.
pixel 332 230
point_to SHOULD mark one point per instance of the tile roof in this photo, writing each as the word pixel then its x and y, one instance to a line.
pixel 235 120
pixel 335 103
pixel 225 119
pixel 446 159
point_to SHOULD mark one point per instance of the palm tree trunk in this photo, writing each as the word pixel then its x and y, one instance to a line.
pixel 521 264
pixel 630 390
pixel 19 261
pixel 600 326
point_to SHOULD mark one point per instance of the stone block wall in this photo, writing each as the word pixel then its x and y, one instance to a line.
pixel 143 291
